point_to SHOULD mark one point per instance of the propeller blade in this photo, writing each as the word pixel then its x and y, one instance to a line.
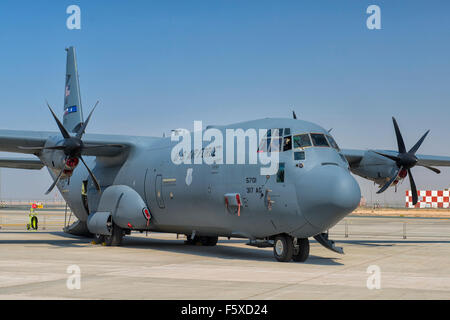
pixel 413 188
pixel 63 130
pixel 42 148
pixel 390 182
pixel 54 148
pixel 419 143
pixel 393 158
pixel 56 180
pixel 94 146
pixel 30 148
pixel 294 115
pixel 84 125
pixel 432 169
pixel 400 141
pixel 97 185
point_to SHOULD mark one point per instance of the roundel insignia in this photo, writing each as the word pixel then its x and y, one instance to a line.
pixel 146 214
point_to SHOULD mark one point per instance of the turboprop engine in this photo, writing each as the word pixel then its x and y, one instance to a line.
pixel 122 206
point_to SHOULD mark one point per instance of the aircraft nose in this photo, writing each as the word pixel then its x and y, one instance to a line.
pixel 326 194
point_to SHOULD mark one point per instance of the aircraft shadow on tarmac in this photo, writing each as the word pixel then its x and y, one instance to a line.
pixel 177 246
pixel 69 241
pixel 391 243
pixel 220 251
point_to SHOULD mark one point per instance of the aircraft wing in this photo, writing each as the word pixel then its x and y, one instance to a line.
pixel 353 157
pixel 433 161
pixel 13 140
pixel 32 142
pixel 21 163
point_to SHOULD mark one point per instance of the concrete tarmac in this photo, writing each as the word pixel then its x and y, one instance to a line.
pixel 34 265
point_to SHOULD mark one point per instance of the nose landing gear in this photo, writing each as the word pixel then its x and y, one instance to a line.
pixel 286 248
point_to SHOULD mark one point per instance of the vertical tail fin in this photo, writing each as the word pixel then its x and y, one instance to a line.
pixel 73 111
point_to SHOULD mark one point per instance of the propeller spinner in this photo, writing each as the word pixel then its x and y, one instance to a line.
pixel 405 160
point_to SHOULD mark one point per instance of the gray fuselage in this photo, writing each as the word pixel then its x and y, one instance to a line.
pixel 314 192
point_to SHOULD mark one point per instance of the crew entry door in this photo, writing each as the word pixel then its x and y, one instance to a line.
pixel 153 189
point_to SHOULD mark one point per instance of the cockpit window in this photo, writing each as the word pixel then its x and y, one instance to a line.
pixel 275 145
pixel 319 140
pixel 302 141
pixel 287 143
pixel 333 143
pixel 273 140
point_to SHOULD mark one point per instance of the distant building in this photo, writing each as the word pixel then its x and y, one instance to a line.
pixel 429 199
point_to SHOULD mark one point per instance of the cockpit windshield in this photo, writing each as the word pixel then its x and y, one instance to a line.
pixel 280 140
pixel 319 140
pixel 333 143
pixel 302 141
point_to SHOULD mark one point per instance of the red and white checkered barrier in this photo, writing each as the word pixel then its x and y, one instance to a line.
pixel 429 199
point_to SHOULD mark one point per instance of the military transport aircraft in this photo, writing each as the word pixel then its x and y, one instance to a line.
pixel 128 183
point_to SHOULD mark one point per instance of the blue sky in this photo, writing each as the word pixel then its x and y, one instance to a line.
pixel 159 65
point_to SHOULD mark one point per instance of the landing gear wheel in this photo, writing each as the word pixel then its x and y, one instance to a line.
pixel 99 238
pixel 191 242
pixel 115 239
pixel 283 248
pixel 209 241
pixel 301 251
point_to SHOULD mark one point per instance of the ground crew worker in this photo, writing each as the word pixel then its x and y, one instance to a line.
pixel 33 218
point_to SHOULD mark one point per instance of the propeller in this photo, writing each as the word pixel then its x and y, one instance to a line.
pixel 72 146
pixel 405 160
pixel 294 115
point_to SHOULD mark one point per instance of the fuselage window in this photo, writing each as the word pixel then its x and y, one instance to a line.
pixel 333 143
pixel 319 140
pixel 299 155
pixel 302 141
pixel 280 173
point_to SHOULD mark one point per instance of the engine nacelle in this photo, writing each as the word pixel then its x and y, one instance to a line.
pixel 57 161
pixel 124 206
pixel 375 167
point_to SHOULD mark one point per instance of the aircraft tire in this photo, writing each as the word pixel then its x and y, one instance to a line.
pixel 283 248
pixel 191 242
pixel 115 239
pixel 209 241
pixel 303 251
pixel 99 238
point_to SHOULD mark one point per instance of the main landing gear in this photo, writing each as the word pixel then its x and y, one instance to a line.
pixel 115 239
pixel 287 248
pixel 201 240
